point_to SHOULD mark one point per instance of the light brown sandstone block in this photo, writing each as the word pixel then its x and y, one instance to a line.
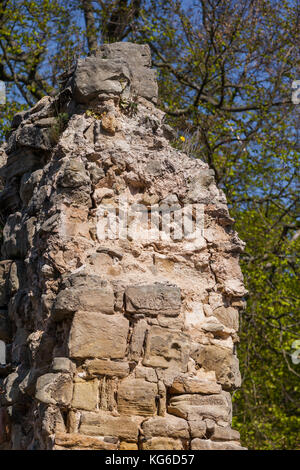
pixel 153 299
pixel 137 397
pixel 104 423
pixel 162 443
pixel 85 395
pixel 168 426
pixel 202 444
pixel 79 442
pixel 107 367
pixel 167 348
pixel 194 385
pixel 95 334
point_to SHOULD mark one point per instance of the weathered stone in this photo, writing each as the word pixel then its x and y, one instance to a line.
pixel 137 340
pixel 166 348
pixel 9 200
pixel 223 362
pixel 105 424
pixel 85 395
pixel 137 397
pixel 202 444
pixel 194 385
pixel 5 329
pixel 153 299
pixel 197 428
pixel 29 182
pixel 12 390
pixel 146 373
pixel 17 277
pixel 79 442
pixel 98 335
pixel 54 389
pixel 20 162
pixel 109 123
pixel 85 297
pixel 221 433
pixel 63 364
pixel 74 175
pixel 192 407
pixel 17 236
pixel 107 368
pixel 4 271
pixel 162 443
pixel 95 75
pixel 167 426
pixel 128 446
pixel 228 316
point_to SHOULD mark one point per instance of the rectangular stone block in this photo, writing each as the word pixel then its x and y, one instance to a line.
pixel 103 423
pixel 221 433
pixel 166 348
pixel 78 442
pixel 162 443
pixel 106 367
pixel 95 334
pixel 206 444
pixel 194 385
pixel 153 299
pixel 222 361
pixel 193 407
pixel 85 395
pixel 137 397
pixel 91 295
pixel 167 426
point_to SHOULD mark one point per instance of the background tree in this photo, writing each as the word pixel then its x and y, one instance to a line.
pixel 225 71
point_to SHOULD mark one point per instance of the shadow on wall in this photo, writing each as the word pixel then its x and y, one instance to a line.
pixel 2 353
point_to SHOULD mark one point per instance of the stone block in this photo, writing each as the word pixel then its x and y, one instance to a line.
pixel 63 364
pixel 79 442
pixel 221 433
pixel 103 423
pixel 94 76
pixel 162 443
pixel 88 293
pixel 167 426
pixel 222 361
pixel 192 407
pixel 138 58
pixel 153 299
pixel 137 397
pixel 197 428
pixel 86 395
pixel 128 446
pixel 206 444
pixel 194 385
pixel 95 334
pixel 55 389
pixel 166 349
pixel 107 368
pixel 137 340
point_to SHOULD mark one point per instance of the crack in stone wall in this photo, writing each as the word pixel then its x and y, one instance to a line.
pixel 113 343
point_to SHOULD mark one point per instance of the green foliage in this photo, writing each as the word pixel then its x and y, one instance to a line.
pixel 60 125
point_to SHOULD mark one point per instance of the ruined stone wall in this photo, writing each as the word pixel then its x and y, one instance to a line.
pixel 120 341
